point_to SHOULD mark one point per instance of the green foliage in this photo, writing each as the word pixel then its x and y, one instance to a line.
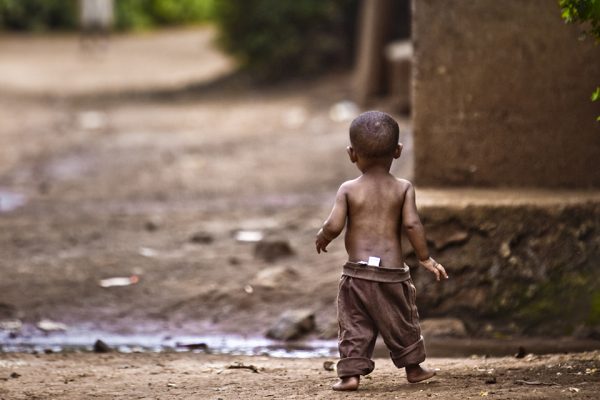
pixel 272 38
pixel 596 94
pixel 42 15
pixel 142 14
pixel 582 11
pixel 38 15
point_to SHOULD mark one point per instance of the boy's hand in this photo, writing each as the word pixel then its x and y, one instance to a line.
pixel 436 268
pixel 321 242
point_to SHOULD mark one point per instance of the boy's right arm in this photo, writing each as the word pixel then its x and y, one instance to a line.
pixel 334 225
pixel 416 234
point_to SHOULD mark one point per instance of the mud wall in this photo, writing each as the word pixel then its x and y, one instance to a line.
pixel 501 96
pixel 515 269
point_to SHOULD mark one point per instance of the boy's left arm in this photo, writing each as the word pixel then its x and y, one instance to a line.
pixel 334 225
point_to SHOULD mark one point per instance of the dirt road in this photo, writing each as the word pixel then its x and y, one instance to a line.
pixel 200 376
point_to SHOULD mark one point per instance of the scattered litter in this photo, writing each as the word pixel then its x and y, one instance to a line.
pixel 11 325
pixel 101 347
pixel 92 120
pixel 574 390
pixel 329 366
pixel 249 236
pixel 10 200
pixel 202 238
pixel 239 365
pixel 171 385
pixel 534 383
pixel 192 346
pixel 590 371
pixel 484 394
pixel 119 281
pixel 147 252
pixel 271 250
pixel 47 325
pixel 248 289
pixel 343 111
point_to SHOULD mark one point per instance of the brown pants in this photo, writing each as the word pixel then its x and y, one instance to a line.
pixel 375 300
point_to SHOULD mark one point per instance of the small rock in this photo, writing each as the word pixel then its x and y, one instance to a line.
pixel 193 346
pixel 443 327
pixel 15 375
pixel 271 250
pixel 101 347
pixel 490 380
pixel 521 353
pixel 171 385
pixel 505 250
pixel 202 238
pixel 11 325
pixel 47 325
pixel 329 366
pixel 273 277
pixel 292 324
pixel 151 226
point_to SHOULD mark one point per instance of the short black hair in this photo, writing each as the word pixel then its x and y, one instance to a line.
pixel 374 134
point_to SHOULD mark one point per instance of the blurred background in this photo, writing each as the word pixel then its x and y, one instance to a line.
pixel 165 165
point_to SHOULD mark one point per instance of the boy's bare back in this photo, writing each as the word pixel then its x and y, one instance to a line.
pixel 374 209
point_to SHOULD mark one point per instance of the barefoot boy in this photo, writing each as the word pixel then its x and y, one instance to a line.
pixel 376 294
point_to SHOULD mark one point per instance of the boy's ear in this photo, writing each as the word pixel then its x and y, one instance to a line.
pixel 351 154
pixel 398 150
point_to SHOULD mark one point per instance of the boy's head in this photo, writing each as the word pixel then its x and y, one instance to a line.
pixel 374 134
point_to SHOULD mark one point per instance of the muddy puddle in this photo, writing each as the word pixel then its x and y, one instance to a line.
pixel 10 200
pixel 83 340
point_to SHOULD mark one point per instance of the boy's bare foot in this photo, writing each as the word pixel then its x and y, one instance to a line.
pixel 347 383
pixel 415 373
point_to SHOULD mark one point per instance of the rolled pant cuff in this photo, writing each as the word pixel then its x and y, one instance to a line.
pixel 353 366
pixel 413 354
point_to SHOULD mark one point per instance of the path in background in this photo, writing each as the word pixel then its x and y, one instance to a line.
pixel 57 65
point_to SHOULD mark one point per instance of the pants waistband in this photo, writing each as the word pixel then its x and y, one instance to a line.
pixel 376 274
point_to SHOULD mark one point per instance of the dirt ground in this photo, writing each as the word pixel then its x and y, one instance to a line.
pixel 118 183
pixel 172 375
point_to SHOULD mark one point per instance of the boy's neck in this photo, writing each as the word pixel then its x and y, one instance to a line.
pixel 374 166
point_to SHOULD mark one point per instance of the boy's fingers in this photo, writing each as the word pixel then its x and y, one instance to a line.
pixel 443 270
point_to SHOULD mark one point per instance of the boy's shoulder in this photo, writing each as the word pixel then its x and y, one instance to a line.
pixel 348 185
pixel 404 183
pixel 400 184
